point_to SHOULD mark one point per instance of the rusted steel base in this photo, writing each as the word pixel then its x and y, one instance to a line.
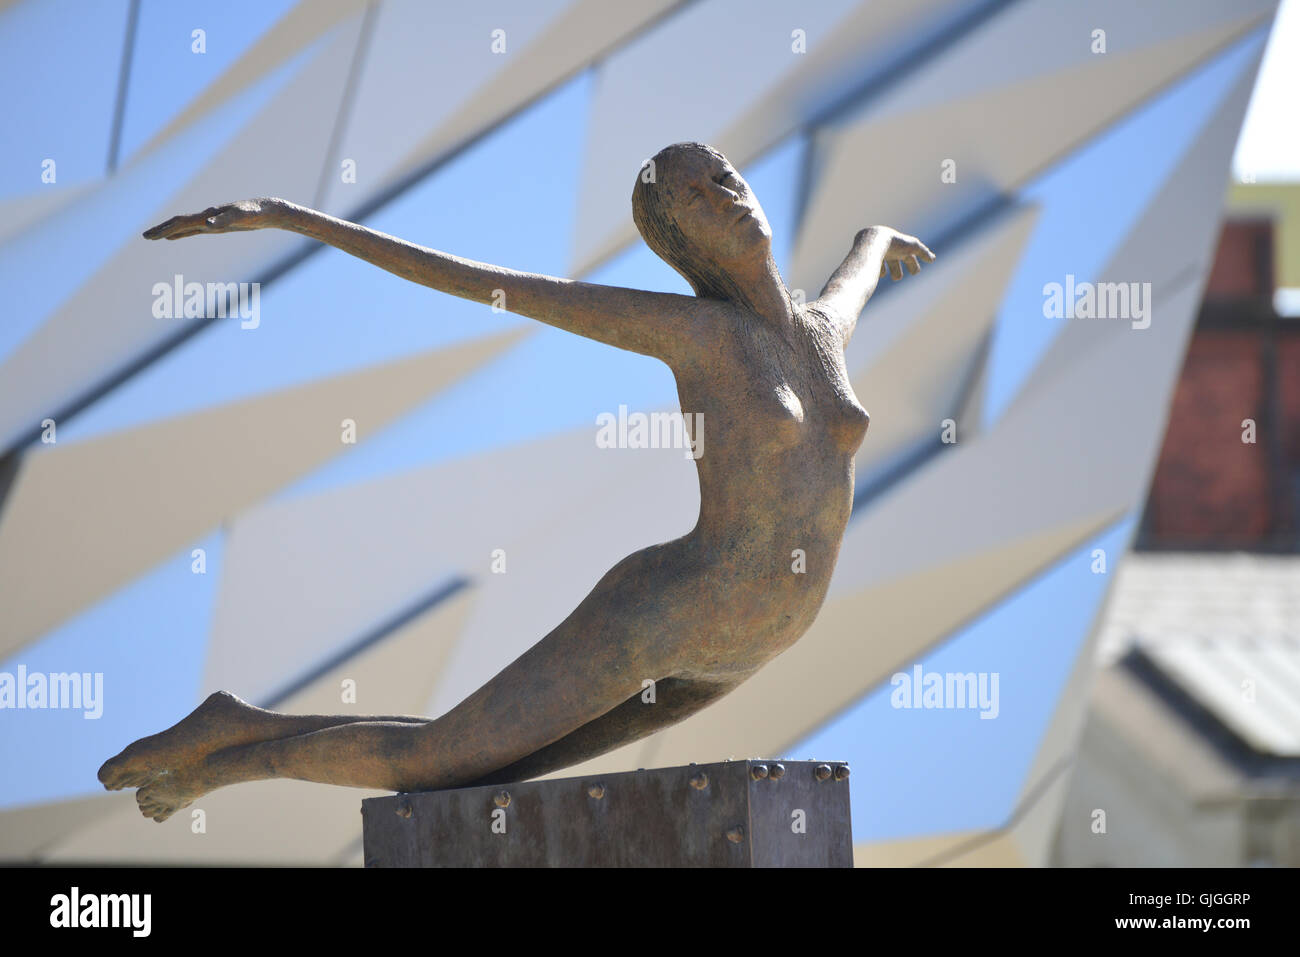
pixel 754 813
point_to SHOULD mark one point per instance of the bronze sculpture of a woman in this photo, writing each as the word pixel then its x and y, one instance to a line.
pixel 697 615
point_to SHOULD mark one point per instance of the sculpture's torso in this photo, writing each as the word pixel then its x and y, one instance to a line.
pixel 781 427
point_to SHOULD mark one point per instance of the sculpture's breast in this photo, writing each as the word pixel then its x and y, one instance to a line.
pixel 788 404
pixel 845 417
pixel 828 393
pixel 776 408
pixel 848 419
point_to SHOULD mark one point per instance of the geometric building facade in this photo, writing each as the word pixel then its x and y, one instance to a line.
pixel 182 511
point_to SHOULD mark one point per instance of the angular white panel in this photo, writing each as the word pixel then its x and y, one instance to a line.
pixel 1005 102
pixel 431 80
pixel 303 25
pixel 305 575
pixel 726 72
pixel 109 320
pixel 66 540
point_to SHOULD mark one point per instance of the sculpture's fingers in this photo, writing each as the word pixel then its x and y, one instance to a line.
pixel 160 231
pixel 895 270
pixel 929 256
pixel 176 225
pixel 913 266
pixel 884 270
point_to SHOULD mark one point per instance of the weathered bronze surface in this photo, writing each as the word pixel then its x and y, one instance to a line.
pixel 657 818
pixel 697 615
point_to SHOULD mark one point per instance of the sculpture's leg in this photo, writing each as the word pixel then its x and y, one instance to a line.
pixel 571 677
pixel 675 699
pixel 221 721
pixel 224 721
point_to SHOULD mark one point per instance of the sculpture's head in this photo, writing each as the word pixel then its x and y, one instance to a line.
pixel 699 216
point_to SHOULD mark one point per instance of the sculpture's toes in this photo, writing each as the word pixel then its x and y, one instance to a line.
pixel 117 772
pixel 153 804
pixel 148 807
pixel 130 769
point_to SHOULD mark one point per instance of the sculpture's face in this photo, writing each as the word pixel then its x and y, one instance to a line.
pixel 716 210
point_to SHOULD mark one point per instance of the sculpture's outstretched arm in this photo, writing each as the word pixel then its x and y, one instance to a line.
pixel 664 325
pixel 876 250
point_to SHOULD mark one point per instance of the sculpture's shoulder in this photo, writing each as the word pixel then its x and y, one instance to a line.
pixel 825 323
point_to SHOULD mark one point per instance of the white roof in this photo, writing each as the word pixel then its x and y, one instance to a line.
pixel 1225 628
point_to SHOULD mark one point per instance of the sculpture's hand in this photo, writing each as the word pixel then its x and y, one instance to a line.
pixel 904 250
pixel 877 250
pixel 229 218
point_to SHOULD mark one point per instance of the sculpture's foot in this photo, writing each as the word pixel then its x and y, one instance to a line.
pixel 221 721
pixel 169 791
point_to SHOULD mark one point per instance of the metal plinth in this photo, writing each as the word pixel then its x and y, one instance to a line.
pixel 752 813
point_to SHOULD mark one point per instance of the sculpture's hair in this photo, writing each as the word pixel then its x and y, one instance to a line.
pixel 652 211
